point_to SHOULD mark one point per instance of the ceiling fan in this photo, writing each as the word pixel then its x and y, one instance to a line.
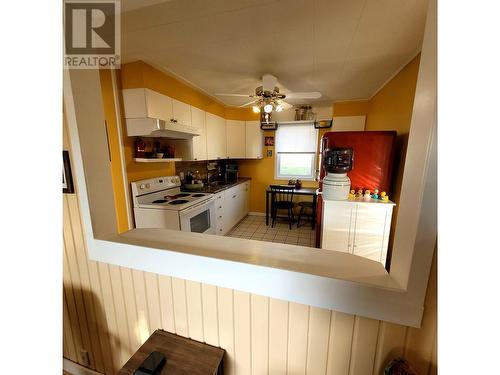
pixel 268 97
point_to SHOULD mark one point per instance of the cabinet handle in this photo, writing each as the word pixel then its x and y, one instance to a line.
pixel 220 206
pixel 234 196
pixel 220 217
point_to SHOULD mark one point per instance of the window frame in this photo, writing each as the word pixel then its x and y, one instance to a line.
pixel 330 280
pixel 277 157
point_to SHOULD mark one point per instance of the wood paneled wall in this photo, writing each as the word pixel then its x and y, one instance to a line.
pixel 109 311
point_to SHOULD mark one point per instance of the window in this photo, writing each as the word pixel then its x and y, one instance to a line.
pixel 296 151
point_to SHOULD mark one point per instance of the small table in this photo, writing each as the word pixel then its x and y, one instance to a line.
pixel 302 191
pixel 184 356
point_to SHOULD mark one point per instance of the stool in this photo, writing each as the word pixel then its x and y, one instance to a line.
pixel 302 206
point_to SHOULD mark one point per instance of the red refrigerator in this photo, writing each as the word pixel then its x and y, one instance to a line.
pixel 373 159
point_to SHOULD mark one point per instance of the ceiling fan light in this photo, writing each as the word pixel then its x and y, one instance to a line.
pixel 268 108
pixel 256 109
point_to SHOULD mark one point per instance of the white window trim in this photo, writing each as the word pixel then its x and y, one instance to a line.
pixel 277 176
pixel 331 280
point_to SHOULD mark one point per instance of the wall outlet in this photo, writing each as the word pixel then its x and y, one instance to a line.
pixel 84 358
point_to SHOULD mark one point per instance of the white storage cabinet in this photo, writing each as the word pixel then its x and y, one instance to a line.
pixel 198 120
pixel 216 137
pixel 253 140
pixel 231 206
pixel 235 139
pixel 357 227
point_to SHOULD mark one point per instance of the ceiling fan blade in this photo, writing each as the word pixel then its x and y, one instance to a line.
pixel 303 95
pixel 269 82
pixel 236 95
pixel 244 105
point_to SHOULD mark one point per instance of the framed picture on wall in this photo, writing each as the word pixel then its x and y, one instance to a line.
pixel 268 141
pixel 67 182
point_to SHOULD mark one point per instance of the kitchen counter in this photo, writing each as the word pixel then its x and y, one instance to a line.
pixel 216 189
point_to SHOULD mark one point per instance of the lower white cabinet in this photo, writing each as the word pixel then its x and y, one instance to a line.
pixel 231 206
pixel 357 227
pixel 219 214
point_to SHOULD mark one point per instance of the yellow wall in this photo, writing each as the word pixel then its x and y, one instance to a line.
pixel 114 148
pixel 391 109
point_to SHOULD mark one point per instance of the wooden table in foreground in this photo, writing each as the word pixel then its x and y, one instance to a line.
pixel 184 356
pixel 313 192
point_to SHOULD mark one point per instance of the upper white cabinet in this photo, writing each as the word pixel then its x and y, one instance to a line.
pixel 356 227
pixel 198 120
pixel 216 137
pixel 253 140
pixel 181 112
pixel 235 139
pixel 141 103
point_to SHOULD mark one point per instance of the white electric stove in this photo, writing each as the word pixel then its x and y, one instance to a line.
pixel 159 203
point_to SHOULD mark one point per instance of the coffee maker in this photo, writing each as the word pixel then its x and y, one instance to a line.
pixel 231 172
pixel 337 161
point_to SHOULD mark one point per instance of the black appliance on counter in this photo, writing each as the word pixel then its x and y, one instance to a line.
pixel 231 172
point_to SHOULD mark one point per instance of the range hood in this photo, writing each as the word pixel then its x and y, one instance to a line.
pixel 153 127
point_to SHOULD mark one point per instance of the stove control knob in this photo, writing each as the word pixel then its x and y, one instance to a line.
pixel 148 186
pixel 142 186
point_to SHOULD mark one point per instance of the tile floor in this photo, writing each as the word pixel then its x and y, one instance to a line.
pixel 254 228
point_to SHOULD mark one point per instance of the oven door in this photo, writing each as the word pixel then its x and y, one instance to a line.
pixel 199 219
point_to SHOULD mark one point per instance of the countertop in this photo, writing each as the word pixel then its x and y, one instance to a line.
pixel 216 189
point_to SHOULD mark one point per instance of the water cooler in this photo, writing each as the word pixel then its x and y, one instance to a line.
pixel 337 162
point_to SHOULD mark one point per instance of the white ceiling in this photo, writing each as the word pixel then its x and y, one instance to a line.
pixel 346 49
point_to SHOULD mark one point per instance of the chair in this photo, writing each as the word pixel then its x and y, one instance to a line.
pixel 304 205
pixel 281 198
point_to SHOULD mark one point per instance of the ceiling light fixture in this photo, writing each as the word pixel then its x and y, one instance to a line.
pixel 255 109
pixel 268 108
pixel 279 108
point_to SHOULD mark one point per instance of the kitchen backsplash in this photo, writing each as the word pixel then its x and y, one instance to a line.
pixel 200 167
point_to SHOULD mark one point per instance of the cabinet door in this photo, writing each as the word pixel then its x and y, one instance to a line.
pixel 181 112
pixel 231 207
pixel 337 226
pixel 254 140
pixel 246 199
pixel 199 142
pixel 370 231
pixel 158 105
pixel 235 139
pixel 219 214
pixel 216 137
